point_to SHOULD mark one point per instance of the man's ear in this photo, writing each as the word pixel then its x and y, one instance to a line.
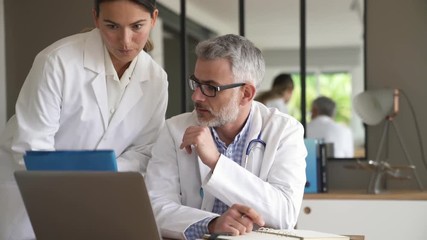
pixel 314 113
pixel 249 91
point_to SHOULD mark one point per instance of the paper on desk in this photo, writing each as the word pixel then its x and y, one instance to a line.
pixel 273 234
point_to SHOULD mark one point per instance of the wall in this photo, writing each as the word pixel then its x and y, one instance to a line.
pixel 30 26
pixel 2 69
pixel 397 58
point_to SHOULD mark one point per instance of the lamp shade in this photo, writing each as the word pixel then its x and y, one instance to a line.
pixel 373 106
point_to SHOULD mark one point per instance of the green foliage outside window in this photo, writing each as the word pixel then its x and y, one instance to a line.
pixel 336 86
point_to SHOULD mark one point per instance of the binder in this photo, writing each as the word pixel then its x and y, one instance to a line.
pixel 323 168
pixel 316 169
pixel 313 168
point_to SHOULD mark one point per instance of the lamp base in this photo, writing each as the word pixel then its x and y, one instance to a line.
pixel 381 172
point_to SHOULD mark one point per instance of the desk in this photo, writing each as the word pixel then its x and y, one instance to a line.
pixel 391 216
pixel 356 237
pixel 362 195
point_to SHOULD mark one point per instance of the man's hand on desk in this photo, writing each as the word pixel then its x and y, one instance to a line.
pixel 237 220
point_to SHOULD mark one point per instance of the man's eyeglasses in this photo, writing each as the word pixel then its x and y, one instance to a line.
pixel 207 89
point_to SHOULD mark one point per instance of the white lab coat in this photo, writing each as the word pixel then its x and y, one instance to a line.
pixel 325 128
pixel 278 103
pixel 63 104
pixel 273 183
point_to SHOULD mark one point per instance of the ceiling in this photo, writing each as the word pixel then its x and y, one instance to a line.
pixel 274 24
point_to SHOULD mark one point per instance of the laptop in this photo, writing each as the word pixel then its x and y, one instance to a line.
pixel 71 160
pixel 82 205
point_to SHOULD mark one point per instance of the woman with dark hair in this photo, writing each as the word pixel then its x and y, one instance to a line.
pixel 279 94
pixel 94 90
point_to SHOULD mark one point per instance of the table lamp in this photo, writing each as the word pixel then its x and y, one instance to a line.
pixel 375 107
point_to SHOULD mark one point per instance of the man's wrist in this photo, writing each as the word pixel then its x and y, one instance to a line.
pixel 214 164
pixel 211 225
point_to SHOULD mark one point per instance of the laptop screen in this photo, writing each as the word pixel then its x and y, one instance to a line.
pixel 71 160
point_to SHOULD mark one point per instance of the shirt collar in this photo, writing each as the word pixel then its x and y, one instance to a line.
pixel 111 71
pixel 242 132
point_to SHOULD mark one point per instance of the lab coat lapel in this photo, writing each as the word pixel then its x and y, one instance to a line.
pixel 93 55
pixel 254 161
pixel 100 89
pixel 204 170
pixel 208 199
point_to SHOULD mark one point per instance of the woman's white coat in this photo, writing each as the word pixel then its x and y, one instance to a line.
pixel 63 104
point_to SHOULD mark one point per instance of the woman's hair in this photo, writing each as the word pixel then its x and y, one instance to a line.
pixel 264 97
pixel 247 62
pixel 281 83
pixel 150 5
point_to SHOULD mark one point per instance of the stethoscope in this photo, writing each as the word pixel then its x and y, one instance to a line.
pixel 256 142
pixel 252 144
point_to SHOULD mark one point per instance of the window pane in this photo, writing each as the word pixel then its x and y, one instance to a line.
pixel 273 26
pixel 335 60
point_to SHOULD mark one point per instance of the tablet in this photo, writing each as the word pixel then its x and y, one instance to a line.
pixel 71 160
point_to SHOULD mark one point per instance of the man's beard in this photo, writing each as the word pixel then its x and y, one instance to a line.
pixel 227 114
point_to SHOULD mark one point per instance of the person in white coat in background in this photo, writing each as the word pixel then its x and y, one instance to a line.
pixel 231 164
pixel 93 90
pixel 323 126
pixel 280 93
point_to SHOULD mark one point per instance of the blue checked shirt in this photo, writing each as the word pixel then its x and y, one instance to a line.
pixel 233 151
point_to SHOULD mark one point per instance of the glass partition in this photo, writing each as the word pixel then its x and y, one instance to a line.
pixel 334 53
pixel 335 61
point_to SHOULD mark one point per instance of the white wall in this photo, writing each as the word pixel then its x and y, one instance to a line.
pixel 2 69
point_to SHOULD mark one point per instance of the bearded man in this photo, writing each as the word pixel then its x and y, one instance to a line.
pixel 232 164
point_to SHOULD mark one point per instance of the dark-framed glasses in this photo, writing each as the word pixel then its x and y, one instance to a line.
pixel 207 89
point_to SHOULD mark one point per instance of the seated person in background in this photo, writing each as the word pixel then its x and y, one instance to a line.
pixel 280 93
pixel 323 126
pixel 200 179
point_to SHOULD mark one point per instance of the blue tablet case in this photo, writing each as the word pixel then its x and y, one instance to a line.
pixel 71 160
